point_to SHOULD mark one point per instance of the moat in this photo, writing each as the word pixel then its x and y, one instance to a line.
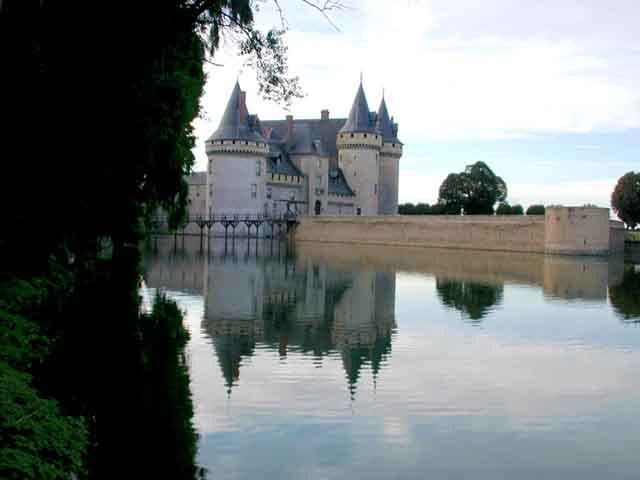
pixel 329 361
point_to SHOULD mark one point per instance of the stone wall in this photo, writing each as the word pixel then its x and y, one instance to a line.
pixel 577 230
pixel 617 236
pixel 522 234
pixel 563 230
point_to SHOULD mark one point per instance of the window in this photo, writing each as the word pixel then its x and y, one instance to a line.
pixel 375 188
pixel 258 168
pixel 254 190
pixel 319 163
pixel 269 192
pixel 319 181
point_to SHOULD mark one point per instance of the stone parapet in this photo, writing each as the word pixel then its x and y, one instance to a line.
pixel 393 150
pixel 236 146
pixel 359 141
pixel 563 230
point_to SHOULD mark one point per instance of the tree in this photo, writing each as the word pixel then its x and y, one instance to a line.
pixel 476 190
pixel 406 209
pixel 535 210
pixel 504 209
pixel 453 193
pixel 625 199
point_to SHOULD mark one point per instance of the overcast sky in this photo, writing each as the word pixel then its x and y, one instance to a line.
pixel 546 91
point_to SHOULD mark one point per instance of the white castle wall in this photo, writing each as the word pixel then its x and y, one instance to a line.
pixel 359 159
pixel 233 169
pixel 389 178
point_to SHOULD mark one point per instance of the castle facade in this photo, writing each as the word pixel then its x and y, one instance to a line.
pixel 324 166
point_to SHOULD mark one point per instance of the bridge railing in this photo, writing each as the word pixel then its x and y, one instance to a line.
pixel 237 218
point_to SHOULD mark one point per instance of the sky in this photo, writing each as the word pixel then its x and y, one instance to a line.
pixel 545 92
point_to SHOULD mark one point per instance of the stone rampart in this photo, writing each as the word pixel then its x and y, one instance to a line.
pixel 521 234
pixel 563 230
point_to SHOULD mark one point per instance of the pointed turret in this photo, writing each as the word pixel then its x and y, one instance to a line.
pixel 234 124
pixel 385 124
pixel 359 120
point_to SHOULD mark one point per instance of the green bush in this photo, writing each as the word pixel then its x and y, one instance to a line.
pixel 503 209
pixel 38 442
pixel 517 210
pixel 535 210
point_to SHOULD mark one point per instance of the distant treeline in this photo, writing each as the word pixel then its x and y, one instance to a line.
pixel 439 209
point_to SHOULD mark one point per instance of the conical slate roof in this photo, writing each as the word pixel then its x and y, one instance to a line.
pixel 385 125
pixel 359 118
pixel 231 126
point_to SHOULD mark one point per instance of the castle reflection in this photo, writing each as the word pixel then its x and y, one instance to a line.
pixel 290 303
pixel 340 300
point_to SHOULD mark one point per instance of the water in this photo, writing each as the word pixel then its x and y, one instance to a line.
pixel 343 361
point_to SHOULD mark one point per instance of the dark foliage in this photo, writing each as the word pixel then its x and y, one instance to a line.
pixel 505 209
pixel 474 191
pixel 625 199
pixel 411 209
pixel 535 210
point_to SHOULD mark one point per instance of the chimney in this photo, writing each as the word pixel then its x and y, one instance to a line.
pixel 289 126
pixel 243 107
pixel 324 115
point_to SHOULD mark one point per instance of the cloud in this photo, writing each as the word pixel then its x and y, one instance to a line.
pixel 456 71
pixel 572 193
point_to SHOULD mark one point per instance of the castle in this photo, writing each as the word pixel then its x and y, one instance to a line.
pixel 325 166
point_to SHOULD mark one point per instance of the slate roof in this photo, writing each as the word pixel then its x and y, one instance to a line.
pixel 279 162
pixel 360 119
pixel 385 125
pixel 338 184
pixel 310 136
pixel 231 127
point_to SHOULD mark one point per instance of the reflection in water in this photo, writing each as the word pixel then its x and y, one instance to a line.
pixel 355 359
pixel 289 303
pixel 625 297
pixel 475 300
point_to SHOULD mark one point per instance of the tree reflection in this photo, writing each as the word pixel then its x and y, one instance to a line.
pixel 475 300
pixel 625 297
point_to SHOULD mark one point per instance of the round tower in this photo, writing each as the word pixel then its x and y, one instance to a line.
pixel 359 144
pixel 236 162
pixel 390 154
